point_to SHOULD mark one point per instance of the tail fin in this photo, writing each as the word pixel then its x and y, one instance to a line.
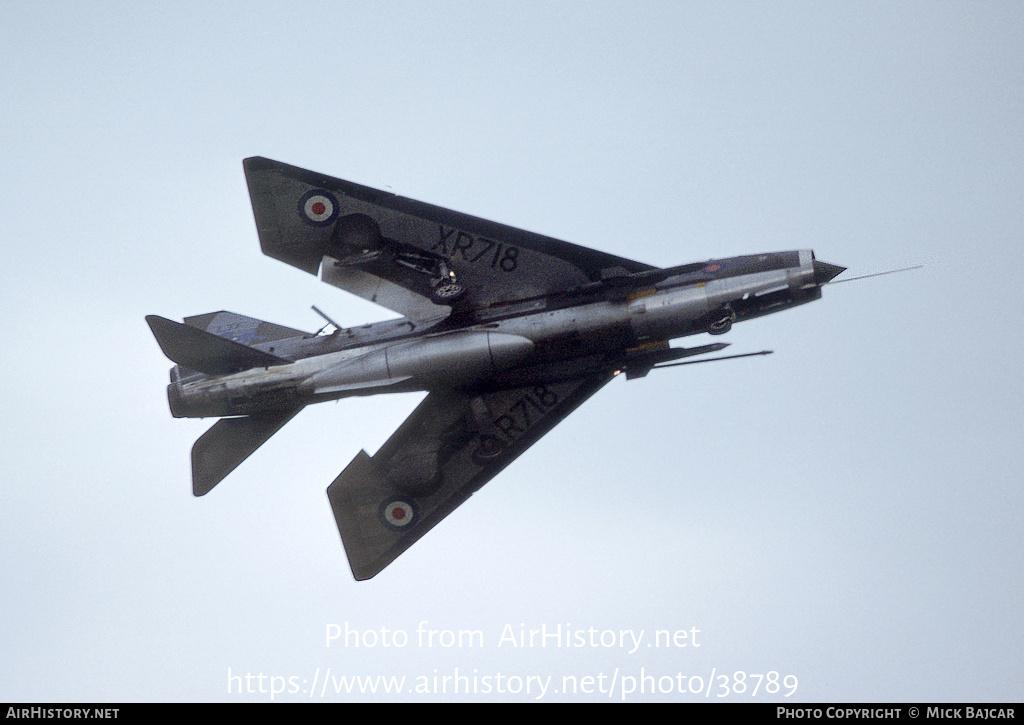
pixel 205 352
pixel 246 330
pixel 229 442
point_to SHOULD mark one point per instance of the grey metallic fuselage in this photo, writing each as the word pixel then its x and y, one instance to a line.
pixel 611 325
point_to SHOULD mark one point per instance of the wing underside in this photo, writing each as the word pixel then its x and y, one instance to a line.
pixel 450 446
pixel 399 252
pixel 425 261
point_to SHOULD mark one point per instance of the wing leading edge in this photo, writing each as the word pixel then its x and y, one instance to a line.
pixel 450 446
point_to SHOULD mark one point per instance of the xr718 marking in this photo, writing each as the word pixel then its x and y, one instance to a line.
pixel 456 244
pixel 519 417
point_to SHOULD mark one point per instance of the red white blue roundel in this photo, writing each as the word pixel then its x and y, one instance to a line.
pixel 318 207
pixel 398 513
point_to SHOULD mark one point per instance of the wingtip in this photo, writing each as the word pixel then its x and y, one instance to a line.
pixel 361 575
pixel 257 163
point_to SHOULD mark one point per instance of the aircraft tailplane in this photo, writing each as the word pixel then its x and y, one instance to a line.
pixel 230 441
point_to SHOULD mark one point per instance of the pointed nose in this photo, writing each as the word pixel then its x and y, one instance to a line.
pixel 825 272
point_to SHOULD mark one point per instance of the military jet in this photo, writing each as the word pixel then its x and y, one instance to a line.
pixel 506 330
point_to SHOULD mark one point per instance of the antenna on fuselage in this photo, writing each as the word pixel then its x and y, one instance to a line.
pixel 323 314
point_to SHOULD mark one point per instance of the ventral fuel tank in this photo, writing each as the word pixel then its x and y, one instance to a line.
pixel 450 359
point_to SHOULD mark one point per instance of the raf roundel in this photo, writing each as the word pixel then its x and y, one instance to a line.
pixel 318 207
pixel 398 514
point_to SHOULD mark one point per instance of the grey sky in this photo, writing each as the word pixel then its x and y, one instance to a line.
pixel 847 510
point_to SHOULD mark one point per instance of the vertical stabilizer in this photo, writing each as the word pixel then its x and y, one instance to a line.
pixel 206 352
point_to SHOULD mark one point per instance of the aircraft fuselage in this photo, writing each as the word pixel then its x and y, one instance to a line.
pixel 607 325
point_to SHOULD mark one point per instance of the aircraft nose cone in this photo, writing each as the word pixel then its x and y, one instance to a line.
pixel 825 272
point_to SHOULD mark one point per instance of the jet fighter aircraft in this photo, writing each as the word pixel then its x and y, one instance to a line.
pixel 506 330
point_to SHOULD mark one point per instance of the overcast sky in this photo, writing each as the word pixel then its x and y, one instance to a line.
pixel 845 512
